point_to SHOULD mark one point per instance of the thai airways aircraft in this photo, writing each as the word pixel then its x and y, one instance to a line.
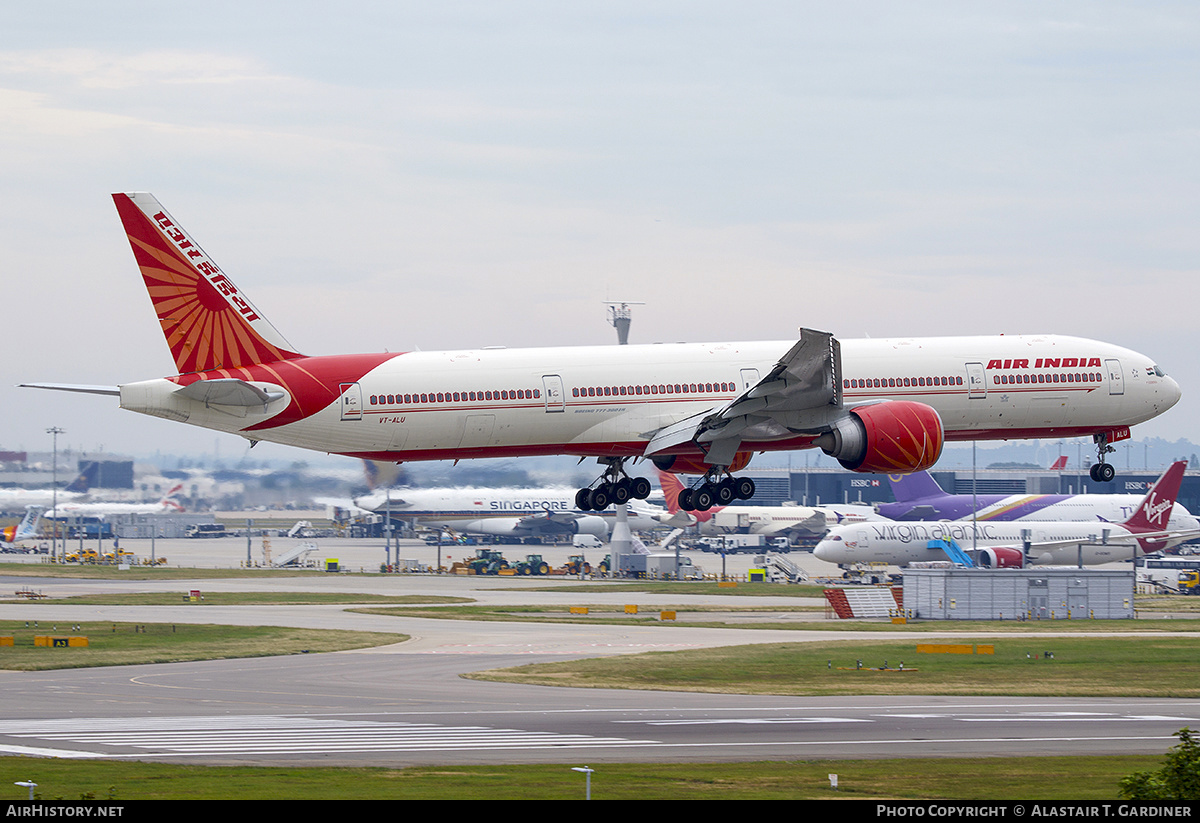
pixel 27 529
pixel 1016 544
pixel 514 513
pixel 793 521
pixel 76 489
pixel 919 497
pixel 882 406
pixel 166 503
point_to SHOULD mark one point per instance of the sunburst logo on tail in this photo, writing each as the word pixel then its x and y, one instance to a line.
pixel 207 322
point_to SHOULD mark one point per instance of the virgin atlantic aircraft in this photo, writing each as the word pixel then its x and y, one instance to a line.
pixel 881 406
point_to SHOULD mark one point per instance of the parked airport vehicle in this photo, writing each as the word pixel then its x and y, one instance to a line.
pixel 1015 544
pixel 878 406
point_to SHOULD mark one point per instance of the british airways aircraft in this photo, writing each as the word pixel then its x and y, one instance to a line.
pixel 919 497
pixel 881 406
pixel 1014 544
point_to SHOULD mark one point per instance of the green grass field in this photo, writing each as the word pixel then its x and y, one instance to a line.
pixel 119 644
pixel 1048 778
pixel 1079 666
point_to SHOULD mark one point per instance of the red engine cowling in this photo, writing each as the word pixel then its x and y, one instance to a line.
pixel 1000 558
pixel 694 464
pixel 897 437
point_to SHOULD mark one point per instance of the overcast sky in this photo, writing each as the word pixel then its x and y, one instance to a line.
pixel 448 175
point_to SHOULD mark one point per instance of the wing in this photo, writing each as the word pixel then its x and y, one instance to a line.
pixel 802 392
pixel 549 523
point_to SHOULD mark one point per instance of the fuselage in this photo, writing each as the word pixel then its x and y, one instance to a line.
pixel 608 401
pixel 1105 508
pixel 505 512
pixel 900 544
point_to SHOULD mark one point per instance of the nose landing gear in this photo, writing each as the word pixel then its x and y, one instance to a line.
pixel 1100 471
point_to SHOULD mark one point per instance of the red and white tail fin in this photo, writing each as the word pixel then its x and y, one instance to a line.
pixel 671 487
pixel 208 323
pixel 168 500
pixel 1154 511
pixel 1059 464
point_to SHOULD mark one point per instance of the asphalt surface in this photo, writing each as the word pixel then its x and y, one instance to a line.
pixel 405 703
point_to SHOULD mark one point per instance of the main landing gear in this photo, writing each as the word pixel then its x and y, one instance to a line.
pixel 713 492
pixel 1100 471
pixel 615 487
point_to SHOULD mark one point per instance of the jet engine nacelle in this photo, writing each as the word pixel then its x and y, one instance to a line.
pixel 897 437
pixel 592 524
pixel 1000 558
pixel 694 464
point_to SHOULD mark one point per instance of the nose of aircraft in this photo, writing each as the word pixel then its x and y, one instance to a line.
pixel 1171 392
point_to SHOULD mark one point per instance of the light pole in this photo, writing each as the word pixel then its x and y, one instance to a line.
pixel 54 432
pixel 585 770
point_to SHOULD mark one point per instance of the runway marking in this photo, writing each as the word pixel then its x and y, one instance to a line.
pixel 251 735
pixel 748 721
pixel 1054 717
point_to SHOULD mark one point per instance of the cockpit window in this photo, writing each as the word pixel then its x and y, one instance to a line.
pixel 1157 371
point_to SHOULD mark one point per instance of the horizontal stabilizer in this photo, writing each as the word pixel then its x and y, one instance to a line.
pixel 114 391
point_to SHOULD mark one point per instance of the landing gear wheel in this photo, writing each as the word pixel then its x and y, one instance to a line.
pixel 744 487
pixel 702 498
pixel 600 498
pixel 639 488
pixel 621 491
pixel 685 500
pixel 583 500
pixel 725 492
pixel 1102 472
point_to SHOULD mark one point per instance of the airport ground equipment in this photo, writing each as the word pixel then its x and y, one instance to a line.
pixel 293 556
pixel 781 569
pixel 1189 582
pixel 532 564
pixel 487 561
pixel 577 565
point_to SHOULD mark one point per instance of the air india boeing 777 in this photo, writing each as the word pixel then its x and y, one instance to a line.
pixel 882 406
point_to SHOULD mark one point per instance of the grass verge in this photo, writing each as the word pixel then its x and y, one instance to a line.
pixel 999 778
pixel 121 644
pixel 1079 666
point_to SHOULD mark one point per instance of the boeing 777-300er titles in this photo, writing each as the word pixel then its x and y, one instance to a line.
pixel 881 406
pixel 1014 544
pixel 919 497
pixel 791 521
pixel 505 512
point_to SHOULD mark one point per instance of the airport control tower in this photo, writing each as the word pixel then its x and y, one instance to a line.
pixel 620 316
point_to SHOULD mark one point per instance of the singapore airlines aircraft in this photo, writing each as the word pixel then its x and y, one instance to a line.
pixel 919 497
pixel 506 512
pixel 166 504
pixel 1014 544
pixel 883 406
pixel 797 521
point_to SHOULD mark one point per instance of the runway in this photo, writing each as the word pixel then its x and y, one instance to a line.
pixel 405 703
